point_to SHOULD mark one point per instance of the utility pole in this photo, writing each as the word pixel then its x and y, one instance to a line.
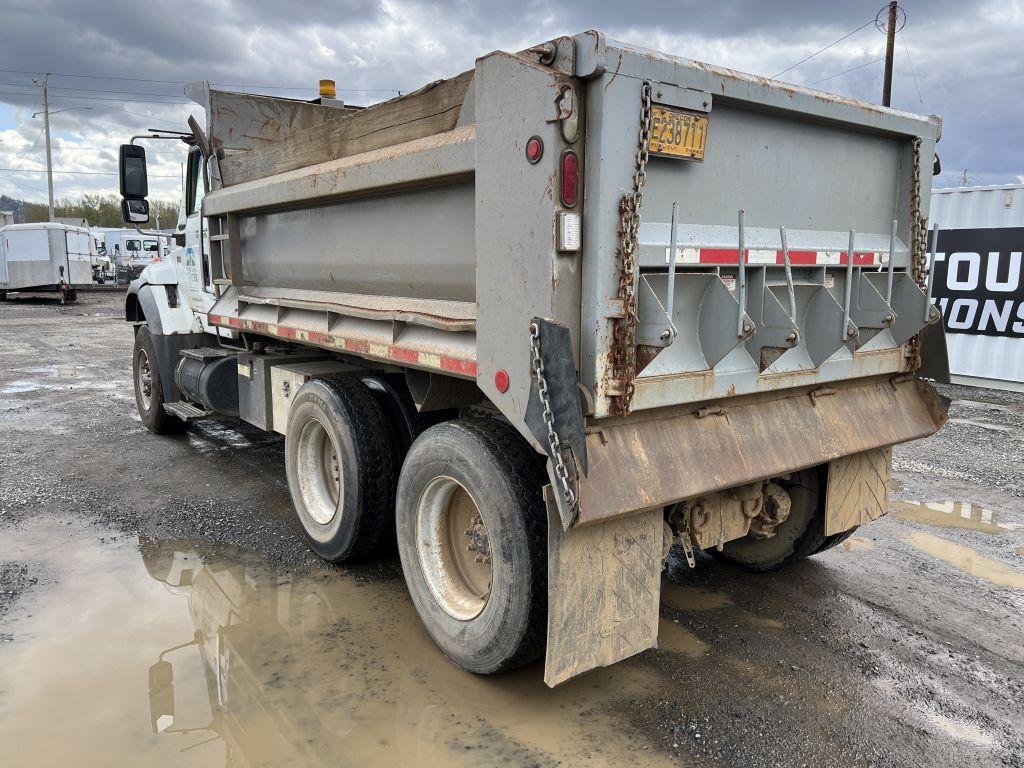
pixel 890 46
pixel 46 128
pixel 963 183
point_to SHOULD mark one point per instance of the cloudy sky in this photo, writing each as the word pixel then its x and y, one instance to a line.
pixel 118 66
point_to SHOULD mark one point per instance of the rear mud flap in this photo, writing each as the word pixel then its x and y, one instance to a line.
pixel 858 489
pixel 653 460
pixel 604 586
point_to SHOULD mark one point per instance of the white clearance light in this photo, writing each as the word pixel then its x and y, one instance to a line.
pixel 568 232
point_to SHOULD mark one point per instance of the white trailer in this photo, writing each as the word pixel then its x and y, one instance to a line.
pixel 45 257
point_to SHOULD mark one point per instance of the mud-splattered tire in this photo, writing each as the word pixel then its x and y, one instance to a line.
pixel 466 468
pixel 800 535
pixel 149 390
pixel 341 469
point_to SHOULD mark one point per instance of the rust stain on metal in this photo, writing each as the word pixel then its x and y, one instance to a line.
pixel 615 74
pixel 764 435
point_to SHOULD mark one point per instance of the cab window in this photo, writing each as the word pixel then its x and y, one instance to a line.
pixel 150 245
pixel 133 245
pixel 195 187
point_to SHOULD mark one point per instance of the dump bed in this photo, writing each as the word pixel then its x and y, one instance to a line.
pixel 537 191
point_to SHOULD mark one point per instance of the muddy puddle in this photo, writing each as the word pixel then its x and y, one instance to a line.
pixel 967 560
pixel 951 514
pixel 150 652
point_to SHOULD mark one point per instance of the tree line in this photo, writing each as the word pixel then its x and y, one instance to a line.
pixel 98 210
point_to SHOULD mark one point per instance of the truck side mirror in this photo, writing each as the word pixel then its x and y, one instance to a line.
pixel 135 211
pixel 134 184
pixel 161 696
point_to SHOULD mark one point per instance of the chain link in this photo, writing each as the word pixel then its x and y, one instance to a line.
pixel 918 249
pixel 549 418
pixel 623 350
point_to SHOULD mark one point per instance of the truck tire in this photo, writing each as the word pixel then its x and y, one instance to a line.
pixel 472 536
pixel 800 535
pixel 149 391
pixel 341 470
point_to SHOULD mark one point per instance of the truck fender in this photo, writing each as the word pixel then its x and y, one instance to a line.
pixel 172 329
pixel 160 307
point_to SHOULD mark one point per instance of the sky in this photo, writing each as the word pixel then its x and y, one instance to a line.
pixel 118 67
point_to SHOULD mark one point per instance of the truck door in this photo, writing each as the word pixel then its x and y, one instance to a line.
pixel 197 249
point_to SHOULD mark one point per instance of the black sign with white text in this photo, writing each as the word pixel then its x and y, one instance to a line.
pixel 978 279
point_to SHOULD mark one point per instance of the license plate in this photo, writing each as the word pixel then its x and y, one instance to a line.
pixel 677 134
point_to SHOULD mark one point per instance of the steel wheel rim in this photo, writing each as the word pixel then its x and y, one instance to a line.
pixel 318 471
pixel 144 380
pixel 453 548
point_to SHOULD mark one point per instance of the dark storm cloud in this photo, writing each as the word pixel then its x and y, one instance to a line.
pixel 957 59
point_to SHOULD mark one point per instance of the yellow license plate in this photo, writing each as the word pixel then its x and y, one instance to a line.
pixel 677 134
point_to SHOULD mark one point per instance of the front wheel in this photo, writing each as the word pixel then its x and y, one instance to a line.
pixel 149 390
pixel 472 536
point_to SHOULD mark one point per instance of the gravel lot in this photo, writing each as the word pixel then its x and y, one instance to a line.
pixel 900 648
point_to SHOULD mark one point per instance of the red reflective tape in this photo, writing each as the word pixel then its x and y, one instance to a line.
pixel 214 319
pixel 719 256
pixel 731 256
pixel 257 326
pixel 234 322
pixel 800 257
pixel 405 355
pixel 288 333
pixel 319 337
pixel 467 367
pixel 355 345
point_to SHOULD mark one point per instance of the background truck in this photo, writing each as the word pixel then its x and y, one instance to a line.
pixel 544 319
pixel 45 257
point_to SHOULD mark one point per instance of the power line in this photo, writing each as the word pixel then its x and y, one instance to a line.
pixel 102 98
pixel 182 82
pixel 83 173
pixel 90 149
pixel 846 71
pixel 913 74
pixel 834 42
pixel 97 90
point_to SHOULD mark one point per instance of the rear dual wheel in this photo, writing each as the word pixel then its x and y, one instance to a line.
pixel 341 466
pixel 800 535
pixel 469 516
pixel 472 535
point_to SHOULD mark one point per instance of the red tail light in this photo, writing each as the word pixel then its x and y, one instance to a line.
pixel 570 178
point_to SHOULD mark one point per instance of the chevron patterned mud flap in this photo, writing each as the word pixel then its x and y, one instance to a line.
pixel 858 489
pixel 604 584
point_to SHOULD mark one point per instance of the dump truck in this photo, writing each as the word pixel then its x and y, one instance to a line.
pixel 45 257
pixel 545 319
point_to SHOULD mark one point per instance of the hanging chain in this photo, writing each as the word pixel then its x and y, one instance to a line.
pixel 549 418
pixel 918 249
pixel 623 350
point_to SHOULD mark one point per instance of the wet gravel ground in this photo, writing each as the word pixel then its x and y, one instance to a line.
pixel 901 648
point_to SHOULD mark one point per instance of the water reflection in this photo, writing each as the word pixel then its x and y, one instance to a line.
pixel 329 669
pixel 951 514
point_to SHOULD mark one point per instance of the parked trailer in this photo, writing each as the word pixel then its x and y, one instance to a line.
pixel 45 257
pixel 548 317
pixel 979 282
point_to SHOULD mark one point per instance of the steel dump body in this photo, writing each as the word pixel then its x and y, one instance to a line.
pixel 417 233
